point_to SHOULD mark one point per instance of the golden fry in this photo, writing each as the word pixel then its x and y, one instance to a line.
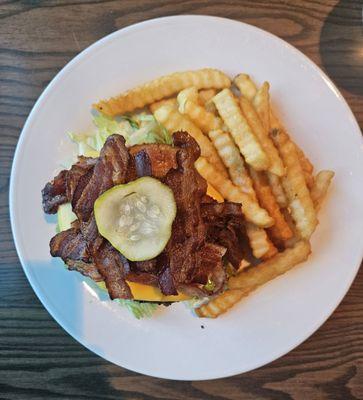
pixel 206 95
pixel 294 184
pixel 205 120
pixel 306 165
pixel 246 86
pixel 296 235
pixel 259 242
pixel 280 230
pixel 173 121
pixel 170 102
pixel 232 159
pixel 220 304
pixel 320 188
pixel 160 88
pixel 253 277
pixel 261 102
pixel 276 166
pixel 250 208
pixel 190 94
pixel 277 189
pixel 242 133
pixel 250 279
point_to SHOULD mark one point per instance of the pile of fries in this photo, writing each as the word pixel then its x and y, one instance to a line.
pixel 249 158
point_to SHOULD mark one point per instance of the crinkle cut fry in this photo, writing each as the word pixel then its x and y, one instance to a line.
pixel 320 188
pixel 276 166
pixel 248 143
pixel 232 159
pixel 160 88
pixel 251 278
pixel 300 203
pixel 251 209
pixel 205 120
pixel 260 244
pixel 280 230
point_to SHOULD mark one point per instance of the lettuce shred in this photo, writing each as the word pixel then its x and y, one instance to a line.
pixel 136 129
pixel 137 308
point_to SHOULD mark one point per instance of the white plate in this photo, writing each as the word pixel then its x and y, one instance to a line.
pixel 274 319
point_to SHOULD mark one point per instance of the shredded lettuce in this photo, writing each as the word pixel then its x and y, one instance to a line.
pixel 137 308
pixel 136 129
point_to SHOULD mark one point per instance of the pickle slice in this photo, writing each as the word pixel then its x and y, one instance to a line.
pixel 136 218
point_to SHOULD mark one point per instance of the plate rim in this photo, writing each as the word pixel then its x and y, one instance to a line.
pixel 32 115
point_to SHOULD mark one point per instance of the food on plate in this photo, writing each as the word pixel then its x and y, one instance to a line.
pixel 294 184
pixel 261 102
pixel 275 167
pixel 259 241
pixel 249 145
pixel 197 196
pixel 233 160
pixel 204 119
pixel 320 188
pixel 280 230
pixel 165 86
pixel 277 189
pixel 246 86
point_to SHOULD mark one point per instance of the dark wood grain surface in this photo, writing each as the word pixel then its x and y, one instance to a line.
pixel 38 360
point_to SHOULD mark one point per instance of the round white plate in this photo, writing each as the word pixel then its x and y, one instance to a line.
pixel 274 319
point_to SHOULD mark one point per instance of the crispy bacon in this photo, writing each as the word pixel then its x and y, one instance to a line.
pixel 111 169
pixel 155 159
pixel 225 226
pixel 71 246
pixel 61 189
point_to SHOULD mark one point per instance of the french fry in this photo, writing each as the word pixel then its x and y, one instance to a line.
pixel 296 235
pixel 320 187
pixel 206 95
pixel 220 304
pixel 259 242
pixel 246 86
pixel 190 94
pixel 250 208
pixel 165 86
pixel 294 184
pixel 170 102
pixel 173 121
pixel 306 165
pixel 253 277
pixel 276 167
pixel 280 230
pixel 249 145
pixel 232 159
pixel 277 189
pixel 309 179
pixel 261 102
pixel 205 120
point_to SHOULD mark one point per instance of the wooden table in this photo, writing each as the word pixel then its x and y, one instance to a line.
pixel 38 360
